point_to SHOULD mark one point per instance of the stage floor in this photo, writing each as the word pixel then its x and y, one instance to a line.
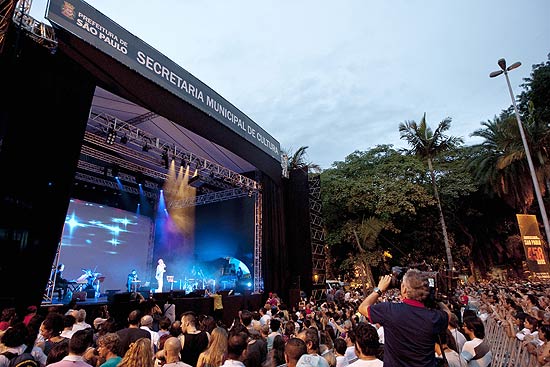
pixel 122 303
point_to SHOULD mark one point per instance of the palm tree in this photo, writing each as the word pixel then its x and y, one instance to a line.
pixel 498 163
pixel 428 144
pixel 298 160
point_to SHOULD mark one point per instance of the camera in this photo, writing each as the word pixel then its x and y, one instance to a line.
pixel 397 273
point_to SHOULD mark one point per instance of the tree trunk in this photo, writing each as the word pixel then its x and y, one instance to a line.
pixel 450 263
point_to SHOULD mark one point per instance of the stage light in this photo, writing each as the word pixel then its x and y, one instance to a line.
pixel 164 158
pixel 111 136
pixel 124 139
pixel 145 147
pixel 114 170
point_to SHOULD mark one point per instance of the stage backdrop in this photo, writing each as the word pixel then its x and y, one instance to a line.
pixel 107 240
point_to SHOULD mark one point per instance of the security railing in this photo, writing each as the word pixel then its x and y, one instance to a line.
pixel 508 351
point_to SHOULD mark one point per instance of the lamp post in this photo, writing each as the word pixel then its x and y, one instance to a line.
pixel 504 70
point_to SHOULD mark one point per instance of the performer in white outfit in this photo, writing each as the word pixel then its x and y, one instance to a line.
pixel 159 275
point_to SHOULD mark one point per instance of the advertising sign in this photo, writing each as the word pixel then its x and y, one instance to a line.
pixel 535 250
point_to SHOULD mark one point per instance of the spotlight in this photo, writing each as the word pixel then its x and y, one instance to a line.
pixel 164 158
pixel 114 170
pixel 111 136
pixel 124 139
pixel 145 147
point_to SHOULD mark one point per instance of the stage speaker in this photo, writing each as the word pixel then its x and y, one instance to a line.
pixel 122 297
pixel 111 294
pixel 197 293
pixel 178 294
pixel 79 296
pixel 161 297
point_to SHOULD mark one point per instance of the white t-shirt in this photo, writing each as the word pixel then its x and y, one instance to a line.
pixel 350 353
pixel 370 363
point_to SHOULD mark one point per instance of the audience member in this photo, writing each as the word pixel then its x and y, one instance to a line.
pixel 78 345
pixel 193 341
pixel 398 319
pixel 139 354
pixel 476 352
pixel 444 352
pixel 217 349
pixel 108 346
pixel 294 349
pixel 15 340
pixel 172 348
pixel 311 337
pixel 236 350
pixel 367 346
pixel 132 333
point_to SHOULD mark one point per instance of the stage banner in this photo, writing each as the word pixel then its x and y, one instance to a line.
pixel 535 249
pixel 87 23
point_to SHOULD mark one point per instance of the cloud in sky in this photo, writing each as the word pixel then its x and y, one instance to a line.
pixel 340 76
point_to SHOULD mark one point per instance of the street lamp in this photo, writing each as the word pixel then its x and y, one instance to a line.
pixel 504 70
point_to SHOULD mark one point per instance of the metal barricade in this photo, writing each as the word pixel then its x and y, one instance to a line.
pixel 507 351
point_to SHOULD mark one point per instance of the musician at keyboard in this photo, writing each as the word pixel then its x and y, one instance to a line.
pixel 61 284
pixel 132 281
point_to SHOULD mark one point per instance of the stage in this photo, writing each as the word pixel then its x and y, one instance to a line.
pixel 120 304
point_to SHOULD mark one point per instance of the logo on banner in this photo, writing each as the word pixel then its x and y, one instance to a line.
pixel 68 10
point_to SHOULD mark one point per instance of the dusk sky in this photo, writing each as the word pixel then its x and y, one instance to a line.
pixel 339 76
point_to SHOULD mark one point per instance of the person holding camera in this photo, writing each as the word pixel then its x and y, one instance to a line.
pixel 410 328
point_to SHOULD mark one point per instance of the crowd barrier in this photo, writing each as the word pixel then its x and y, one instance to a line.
pixel 507 351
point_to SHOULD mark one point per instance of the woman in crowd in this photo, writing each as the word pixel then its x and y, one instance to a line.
pixel 139 354
pixel 217 349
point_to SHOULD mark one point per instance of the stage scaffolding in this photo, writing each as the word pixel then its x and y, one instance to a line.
pixel 132 155
pixel 317 238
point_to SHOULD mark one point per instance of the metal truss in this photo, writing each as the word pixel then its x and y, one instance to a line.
pixel 47 298
pixel 258 220
pixel 104 124
pixel 41 33
pixel 7 9
pixel 104 182
pixel 212 197
pixel 317 238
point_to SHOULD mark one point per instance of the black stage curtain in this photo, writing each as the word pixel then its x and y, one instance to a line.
pixel 274 245
pixel 298 230
pixel 44 104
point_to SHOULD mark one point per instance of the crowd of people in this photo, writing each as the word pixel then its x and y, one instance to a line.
pixel 388 327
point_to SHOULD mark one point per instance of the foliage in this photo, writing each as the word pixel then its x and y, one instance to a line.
pixel 481 188
pixel 498 163
pixel 429 145
pixel 380 183
pixel 537 92
pixel 298 160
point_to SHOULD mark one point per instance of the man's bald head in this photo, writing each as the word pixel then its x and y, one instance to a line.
pixel 172 346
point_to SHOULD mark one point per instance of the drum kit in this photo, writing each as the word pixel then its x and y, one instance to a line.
pixel 88 279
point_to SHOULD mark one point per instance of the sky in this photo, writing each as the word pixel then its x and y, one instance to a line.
pixel 340 76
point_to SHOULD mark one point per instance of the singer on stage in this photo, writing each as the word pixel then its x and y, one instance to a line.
pixel 159 275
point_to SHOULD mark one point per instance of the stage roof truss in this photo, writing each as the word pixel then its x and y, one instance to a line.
pixel 207 198
pixel 104 182
pixel 102 124
pixel 41 33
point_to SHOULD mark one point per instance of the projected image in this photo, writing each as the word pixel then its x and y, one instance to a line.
pixel 101 245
